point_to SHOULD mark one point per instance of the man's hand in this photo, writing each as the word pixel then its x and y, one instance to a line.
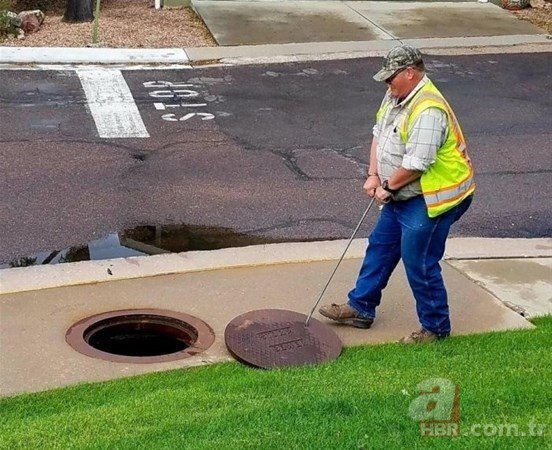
pixel 382 196
pixel 372 183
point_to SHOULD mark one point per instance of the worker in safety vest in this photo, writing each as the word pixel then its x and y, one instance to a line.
pixel 420 171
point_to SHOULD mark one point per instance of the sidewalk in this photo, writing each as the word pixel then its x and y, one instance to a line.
pixel 267 22
pixel 268 31
pixel 39 304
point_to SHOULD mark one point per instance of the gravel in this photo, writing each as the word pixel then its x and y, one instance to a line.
pixel 541 17
pixel 124 24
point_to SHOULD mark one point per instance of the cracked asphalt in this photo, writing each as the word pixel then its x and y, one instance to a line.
pixel 284 158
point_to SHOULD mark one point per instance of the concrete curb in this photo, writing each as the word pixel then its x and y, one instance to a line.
pixel 87 272
pixel 325 50
pixel 503 248
pixel 267 53
pixel 43 277
pixel 68 55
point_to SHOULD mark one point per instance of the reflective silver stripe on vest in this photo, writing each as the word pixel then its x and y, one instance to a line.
pixel 439 197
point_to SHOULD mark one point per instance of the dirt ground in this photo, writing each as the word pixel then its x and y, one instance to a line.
pixel 137 24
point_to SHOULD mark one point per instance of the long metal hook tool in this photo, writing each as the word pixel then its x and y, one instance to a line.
pixel 339 262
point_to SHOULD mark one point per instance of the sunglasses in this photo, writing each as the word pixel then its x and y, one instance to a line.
pixel 392 77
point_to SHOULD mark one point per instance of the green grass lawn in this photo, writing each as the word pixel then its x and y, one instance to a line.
pixel 359 401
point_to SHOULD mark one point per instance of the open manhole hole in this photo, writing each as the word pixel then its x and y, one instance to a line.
pixel 140 336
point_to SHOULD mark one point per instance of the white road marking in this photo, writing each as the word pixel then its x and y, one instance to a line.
pixel 186 93
pixel 172 117
pixel 111 104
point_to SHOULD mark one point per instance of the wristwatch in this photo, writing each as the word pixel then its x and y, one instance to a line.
pixel 385 185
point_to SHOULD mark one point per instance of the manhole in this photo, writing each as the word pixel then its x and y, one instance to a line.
pixel 270 338
pixel 140 336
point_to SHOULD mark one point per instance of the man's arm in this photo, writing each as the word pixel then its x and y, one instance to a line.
pixel 373 169
pixel 426 136
pixel 373 181
pixel 401 177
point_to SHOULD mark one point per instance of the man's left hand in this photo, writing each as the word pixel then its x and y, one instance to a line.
pixel 382 196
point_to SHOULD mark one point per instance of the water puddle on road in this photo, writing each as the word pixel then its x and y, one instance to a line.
pixel 147 240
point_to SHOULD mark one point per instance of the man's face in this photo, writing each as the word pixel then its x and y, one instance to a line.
pixel 401 82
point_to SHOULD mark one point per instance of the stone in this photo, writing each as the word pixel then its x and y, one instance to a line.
pixel 31 20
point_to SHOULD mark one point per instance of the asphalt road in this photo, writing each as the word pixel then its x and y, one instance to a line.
pixel 283 159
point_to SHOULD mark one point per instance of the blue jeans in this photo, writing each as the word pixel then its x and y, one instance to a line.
pixel 405 231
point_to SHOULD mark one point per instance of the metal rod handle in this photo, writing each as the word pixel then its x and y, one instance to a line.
pixel 339 262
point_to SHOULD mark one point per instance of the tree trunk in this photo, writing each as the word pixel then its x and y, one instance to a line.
pixel 79 11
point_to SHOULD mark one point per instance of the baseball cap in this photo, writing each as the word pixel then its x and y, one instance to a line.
pixel 398 58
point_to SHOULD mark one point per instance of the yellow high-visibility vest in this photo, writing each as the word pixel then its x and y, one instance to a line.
pixel 449 179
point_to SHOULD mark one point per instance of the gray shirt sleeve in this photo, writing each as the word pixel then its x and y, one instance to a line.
pixel 427 135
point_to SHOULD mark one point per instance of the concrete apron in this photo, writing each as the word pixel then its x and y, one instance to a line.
pixel 254 23
pixel 523 284
pixel 34 355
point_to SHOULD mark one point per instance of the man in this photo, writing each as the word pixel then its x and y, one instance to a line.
pixel 420 171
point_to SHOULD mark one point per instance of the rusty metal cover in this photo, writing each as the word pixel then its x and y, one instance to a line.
pixel 270 338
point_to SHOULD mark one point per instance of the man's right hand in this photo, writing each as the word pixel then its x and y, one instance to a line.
pixel 372 182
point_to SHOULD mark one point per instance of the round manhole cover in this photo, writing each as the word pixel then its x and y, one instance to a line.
pixel 270 338
pixel 140 336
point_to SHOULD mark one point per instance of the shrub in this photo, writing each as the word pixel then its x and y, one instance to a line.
pixel 8 20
